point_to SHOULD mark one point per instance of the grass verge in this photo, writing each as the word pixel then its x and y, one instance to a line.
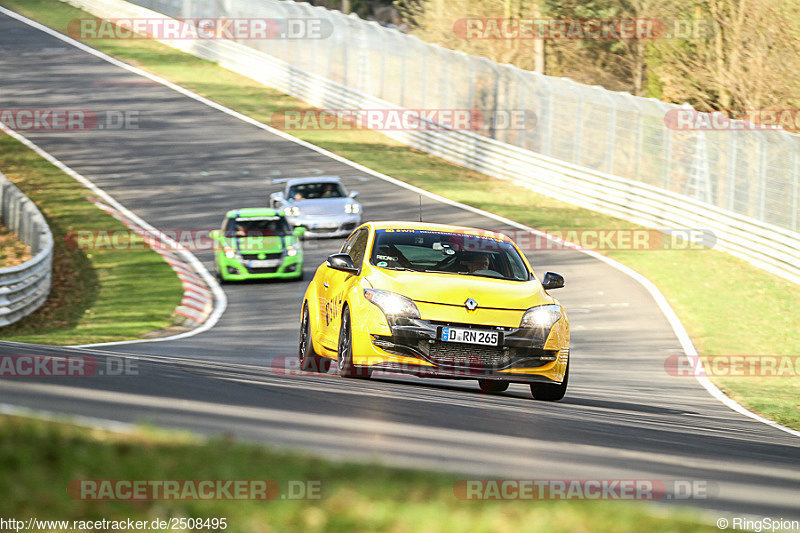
pixel 98 295
pixel 39 459
pixel 727 305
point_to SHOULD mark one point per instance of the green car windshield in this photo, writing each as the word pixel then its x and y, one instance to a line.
pixel 267 226
pixel 449 253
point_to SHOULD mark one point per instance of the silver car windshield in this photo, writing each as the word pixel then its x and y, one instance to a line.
pixel 314 191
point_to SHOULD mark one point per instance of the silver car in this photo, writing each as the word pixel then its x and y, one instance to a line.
pixel 320 204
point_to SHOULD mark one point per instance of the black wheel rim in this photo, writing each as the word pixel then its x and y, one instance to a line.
pixel 344 343
pixel 304 336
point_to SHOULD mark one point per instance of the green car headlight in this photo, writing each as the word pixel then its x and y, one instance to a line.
pixel 392 304
pixel 291 250
pixel 229 252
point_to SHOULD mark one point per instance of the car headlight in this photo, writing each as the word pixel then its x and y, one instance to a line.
pixel 292 211
pixel 392 304
pixel 291 250
pixel 541 317
pixel 230 253
pixel 352 209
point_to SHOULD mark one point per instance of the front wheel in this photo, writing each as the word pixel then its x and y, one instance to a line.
pixel 218 275
pixel 309 360
pixel 550 392
pixel 345 351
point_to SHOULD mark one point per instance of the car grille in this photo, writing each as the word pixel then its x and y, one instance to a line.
pixel 271 270
pixel 254 257
pixel 467 355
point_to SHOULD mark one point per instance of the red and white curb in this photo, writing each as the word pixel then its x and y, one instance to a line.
pixel 198 301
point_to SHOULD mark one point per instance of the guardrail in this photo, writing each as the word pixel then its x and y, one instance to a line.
pixel 771 247
pixel 24 288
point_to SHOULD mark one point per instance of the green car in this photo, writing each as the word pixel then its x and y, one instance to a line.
pixel 257 243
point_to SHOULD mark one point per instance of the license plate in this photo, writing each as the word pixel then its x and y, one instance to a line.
pixel 324 226
pixel 470 336
pixel 263 263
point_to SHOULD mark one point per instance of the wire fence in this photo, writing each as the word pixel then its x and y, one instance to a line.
pixel 748 172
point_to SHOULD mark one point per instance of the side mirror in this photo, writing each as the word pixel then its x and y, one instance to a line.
pixel 299 231
pixel 552 281
pixel 276 199
pixel 342 262
pixel 215 234
pixel 353 194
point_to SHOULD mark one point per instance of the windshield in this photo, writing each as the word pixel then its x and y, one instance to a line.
pixel 257 227
pixel 448 252
pixel 313 191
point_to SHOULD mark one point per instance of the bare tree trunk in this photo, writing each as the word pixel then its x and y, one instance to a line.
pixel 638 68
pixel 538 46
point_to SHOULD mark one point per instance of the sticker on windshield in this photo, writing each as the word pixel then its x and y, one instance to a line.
pixel 386 257
pixel 382 263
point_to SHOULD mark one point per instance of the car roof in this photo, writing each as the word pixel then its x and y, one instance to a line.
pixel 313 179
pixel 247 212
pixel 430 226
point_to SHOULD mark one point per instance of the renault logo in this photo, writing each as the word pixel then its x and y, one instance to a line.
pixel 471 304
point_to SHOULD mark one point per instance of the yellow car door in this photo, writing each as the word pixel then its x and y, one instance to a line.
pixel 340 283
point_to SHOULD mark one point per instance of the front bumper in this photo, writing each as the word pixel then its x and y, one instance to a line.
pixel 236 269
pixel 326 226
pixel 414 347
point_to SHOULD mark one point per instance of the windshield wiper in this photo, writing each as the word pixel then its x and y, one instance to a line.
pixel 444 272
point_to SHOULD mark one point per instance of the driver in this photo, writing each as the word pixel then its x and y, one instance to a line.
pixel 477 261
pixel 328 190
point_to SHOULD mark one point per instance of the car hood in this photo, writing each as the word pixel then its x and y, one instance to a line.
pixel 321 206
pixel 254 245
pixel 454 289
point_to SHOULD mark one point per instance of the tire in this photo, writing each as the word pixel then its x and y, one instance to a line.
pixel 309 360
pixel 550 392
pixel 218 276
pixel 345 351
pixel 492 386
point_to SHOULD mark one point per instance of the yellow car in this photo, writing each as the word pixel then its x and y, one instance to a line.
pixel 436 301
